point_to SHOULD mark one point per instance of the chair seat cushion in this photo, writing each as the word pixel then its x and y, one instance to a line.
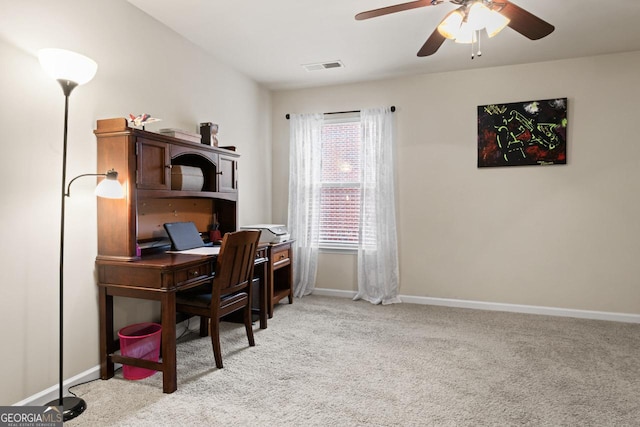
pixel 201 289
pixel 194 299
pixel 204 300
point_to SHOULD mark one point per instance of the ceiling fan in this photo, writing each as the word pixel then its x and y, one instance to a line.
pixel 454 23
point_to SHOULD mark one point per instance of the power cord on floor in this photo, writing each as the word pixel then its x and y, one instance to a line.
pixel 86 382
pixel 186 329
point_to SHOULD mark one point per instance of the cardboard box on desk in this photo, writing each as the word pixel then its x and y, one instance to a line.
pixel 186 178
pixel 180 134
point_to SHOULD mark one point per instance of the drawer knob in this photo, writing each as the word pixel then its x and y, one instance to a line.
pixel 194 273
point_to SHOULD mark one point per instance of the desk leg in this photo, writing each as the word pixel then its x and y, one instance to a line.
pixel 263 302
pixel 290 275
pixel 261 274
pixel 105 308
pixel 290 278
pixel 169 371
pixel 270 292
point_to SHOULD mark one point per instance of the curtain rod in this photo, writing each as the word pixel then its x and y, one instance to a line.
pixel 393 109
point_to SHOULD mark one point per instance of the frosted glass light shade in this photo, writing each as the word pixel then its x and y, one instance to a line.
pixel 450 25
pixel 63 64
pixel 466 34
pixel 110 188
pixel 477 16
pixel 495 22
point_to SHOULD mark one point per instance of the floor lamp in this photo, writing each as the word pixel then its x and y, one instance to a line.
pixel 71 69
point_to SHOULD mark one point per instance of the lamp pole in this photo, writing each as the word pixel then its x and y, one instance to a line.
pixel 72 405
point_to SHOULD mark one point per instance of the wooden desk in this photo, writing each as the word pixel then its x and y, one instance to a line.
pixel 144 161
pixel 157 277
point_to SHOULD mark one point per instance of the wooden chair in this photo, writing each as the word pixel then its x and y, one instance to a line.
pixel 230 289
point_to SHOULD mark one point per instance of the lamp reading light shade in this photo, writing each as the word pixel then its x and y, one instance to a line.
pixel 109 187
pixel 65 65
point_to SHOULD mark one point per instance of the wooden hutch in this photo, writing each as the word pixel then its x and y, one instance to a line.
pixel 144 161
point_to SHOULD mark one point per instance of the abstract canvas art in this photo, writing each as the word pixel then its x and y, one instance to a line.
pixel 523 133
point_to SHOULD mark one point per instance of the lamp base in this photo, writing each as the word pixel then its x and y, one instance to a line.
pixel 72 406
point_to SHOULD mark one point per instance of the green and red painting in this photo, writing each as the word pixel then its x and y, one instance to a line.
pixel 523 133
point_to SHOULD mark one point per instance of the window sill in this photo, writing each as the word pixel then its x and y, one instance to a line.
pixel 338 250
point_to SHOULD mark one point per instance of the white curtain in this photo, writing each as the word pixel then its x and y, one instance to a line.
pixel 378 272
pixel 305 145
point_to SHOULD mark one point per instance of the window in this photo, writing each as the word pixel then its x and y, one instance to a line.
pixel 340 182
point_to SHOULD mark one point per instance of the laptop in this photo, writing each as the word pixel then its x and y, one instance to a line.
pixel 184 236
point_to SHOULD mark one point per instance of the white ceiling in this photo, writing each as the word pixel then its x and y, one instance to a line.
pixel 269 40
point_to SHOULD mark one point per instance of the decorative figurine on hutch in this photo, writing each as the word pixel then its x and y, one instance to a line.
pixel 141 120
pixel 208 132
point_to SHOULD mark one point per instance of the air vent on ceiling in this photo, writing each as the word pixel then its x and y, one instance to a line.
pixel 323 65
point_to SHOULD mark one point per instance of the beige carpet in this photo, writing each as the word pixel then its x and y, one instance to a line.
pixel 334 362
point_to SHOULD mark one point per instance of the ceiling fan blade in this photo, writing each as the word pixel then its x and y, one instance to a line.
pixel 396 8
pixel 526 23
pixel 432 44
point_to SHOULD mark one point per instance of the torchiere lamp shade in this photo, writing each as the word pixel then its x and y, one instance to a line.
pixel 63 64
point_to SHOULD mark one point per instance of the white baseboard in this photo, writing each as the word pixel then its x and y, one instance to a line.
pixel 333 293
pixel 45 396
pixel 494 306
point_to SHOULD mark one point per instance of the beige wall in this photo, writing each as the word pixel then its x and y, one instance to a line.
pixel 561 236
pixel 143 67
pixel 557 236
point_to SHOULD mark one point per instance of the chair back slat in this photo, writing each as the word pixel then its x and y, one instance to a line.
pixel 234 267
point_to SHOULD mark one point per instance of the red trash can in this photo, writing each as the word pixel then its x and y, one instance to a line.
pixel 141 341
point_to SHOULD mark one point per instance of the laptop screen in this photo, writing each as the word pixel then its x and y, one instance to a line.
pixel 183 235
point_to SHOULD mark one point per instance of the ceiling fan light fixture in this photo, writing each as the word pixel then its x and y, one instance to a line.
pixel 496 22
pixel 451 24
pixel 493 16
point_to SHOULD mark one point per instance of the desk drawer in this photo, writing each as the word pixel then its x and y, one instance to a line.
pixel 195 272
pixel 161 271
pixel 280 258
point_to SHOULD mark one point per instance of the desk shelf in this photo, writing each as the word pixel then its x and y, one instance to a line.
pixel 279 274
